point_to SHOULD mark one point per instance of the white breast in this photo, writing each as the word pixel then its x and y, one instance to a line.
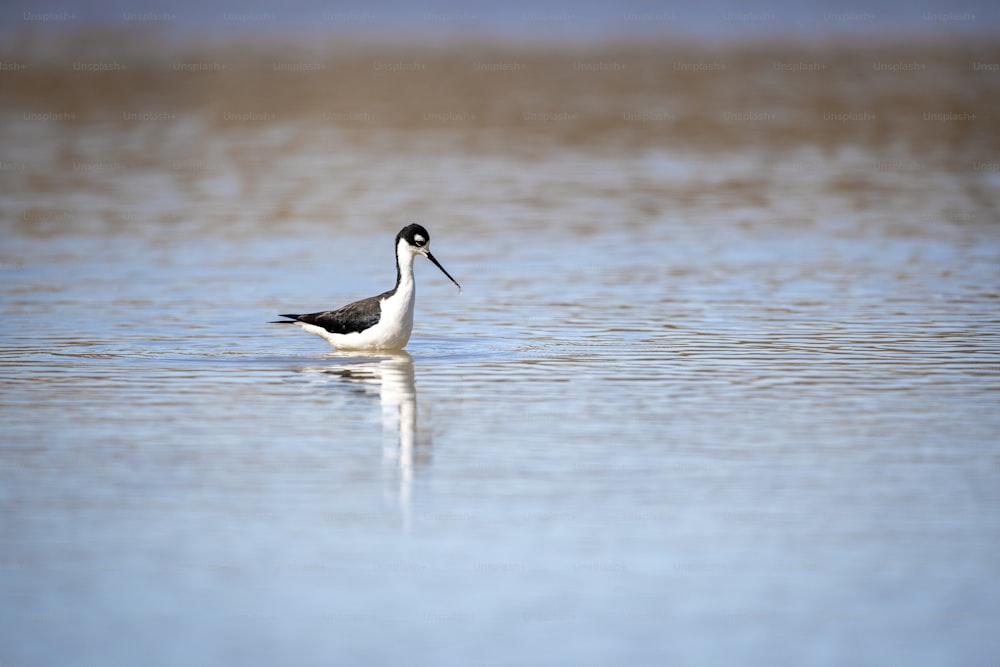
pixel 391 333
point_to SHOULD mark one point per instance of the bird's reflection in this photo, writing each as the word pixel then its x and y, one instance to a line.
pixel 391 376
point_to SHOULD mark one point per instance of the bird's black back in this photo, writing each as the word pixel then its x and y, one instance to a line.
pixel 352 318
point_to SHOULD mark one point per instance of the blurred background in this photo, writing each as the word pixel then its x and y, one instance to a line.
pixel 720 388
pixel 208 100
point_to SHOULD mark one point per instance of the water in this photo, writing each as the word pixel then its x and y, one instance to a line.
pixel 691 407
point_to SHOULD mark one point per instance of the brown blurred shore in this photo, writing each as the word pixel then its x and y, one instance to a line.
pixel 103 130
pixel 934 98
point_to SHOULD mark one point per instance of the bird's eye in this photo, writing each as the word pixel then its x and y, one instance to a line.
pixel 419 241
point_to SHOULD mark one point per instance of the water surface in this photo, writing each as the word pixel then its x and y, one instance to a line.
pixel 695 405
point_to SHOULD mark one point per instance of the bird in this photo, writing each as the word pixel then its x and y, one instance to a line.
pixel 382 322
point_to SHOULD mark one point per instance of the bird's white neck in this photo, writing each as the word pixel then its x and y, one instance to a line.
pixel 404 268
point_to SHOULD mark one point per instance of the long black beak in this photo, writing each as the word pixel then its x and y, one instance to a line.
pixel 438 264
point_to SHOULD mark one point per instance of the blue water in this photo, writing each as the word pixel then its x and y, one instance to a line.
pixel 665 422
pixel 448 19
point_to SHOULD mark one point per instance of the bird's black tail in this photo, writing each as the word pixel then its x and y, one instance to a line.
pixel 291 319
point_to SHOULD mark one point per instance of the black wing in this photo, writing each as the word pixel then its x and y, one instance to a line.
pixel 352 318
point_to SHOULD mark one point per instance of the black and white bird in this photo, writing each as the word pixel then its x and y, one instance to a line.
pixel 382 322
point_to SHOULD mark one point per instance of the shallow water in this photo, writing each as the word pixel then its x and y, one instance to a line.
pixel 690 407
